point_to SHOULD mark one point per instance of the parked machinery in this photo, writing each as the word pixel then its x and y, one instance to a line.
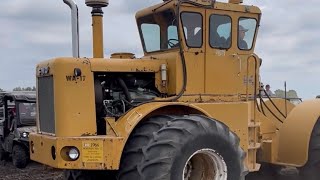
pixel 190 108
pixel 17 120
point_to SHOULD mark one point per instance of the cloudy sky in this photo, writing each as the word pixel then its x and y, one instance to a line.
pixel 36 30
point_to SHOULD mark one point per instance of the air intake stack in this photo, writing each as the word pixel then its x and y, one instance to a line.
pixel 97 25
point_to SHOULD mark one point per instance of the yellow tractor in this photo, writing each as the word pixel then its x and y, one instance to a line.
pixel 190 108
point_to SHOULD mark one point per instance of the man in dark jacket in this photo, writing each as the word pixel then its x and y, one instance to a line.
pixel 241 42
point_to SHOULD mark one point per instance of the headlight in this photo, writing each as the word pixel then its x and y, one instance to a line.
pixel 73 153
pixel 25 135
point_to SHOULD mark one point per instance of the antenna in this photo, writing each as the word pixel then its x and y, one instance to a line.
pixel 285 97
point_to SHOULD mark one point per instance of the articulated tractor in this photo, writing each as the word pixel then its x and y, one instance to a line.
pixel 189 109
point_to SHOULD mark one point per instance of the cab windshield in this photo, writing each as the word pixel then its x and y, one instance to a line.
pixel 27 113
pixel 159 31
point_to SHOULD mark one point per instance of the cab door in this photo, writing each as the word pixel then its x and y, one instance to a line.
pixel 227 71
pixel 193 26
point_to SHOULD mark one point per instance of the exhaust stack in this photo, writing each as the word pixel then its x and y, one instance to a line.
pixel 97 25
pixel 75 27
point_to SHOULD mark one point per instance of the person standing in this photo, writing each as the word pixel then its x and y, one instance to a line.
pixel 268 91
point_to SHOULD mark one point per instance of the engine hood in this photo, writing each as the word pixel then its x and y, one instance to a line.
pixel 27 129
pixel 126 65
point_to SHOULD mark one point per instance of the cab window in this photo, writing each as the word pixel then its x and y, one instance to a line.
pixel 151 37
pixel 246 33
pixel 192 26
pixel 220 31
pixel 158 31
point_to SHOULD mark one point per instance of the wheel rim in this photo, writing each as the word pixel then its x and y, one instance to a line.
pixel 205 164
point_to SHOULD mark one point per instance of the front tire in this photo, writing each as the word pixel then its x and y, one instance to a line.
pixel 191 148
pixel 311 170
pixel 3 154
pixel 20 156
pixel 76 175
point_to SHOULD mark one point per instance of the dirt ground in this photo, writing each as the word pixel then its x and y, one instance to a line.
pixel 35 171
pixel 32 171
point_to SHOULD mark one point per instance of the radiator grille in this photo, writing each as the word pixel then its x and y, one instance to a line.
pixel 46 104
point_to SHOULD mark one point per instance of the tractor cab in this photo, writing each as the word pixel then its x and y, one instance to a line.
pixel 17 120
pixel 210 40
pixel 158 26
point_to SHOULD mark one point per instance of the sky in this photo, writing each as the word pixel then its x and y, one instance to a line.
pixel 36 30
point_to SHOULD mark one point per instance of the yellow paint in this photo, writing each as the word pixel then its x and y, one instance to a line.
pixel 43 147
pixel 69 96
pixel 97 26
pixel 294 136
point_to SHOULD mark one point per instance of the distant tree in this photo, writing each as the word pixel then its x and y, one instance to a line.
pixel 290 94
pixel 28 89
pixel 1 90
pixel 17 89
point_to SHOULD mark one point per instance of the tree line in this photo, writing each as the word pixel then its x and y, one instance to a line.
pixel 22 89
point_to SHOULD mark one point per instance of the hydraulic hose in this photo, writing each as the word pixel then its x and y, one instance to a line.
pixel 271 111
pixel 125 89
pixel 274 104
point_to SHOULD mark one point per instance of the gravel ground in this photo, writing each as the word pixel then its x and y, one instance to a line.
pixel 35 171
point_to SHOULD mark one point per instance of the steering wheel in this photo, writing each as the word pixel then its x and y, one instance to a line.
pixel 172 44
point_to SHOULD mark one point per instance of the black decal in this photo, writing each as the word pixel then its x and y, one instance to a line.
pixel 75 78
pixel 68 78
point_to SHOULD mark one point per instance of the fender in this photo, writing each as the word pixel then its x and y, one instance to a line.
pixel 126 124
pixel 294 136
pixel 24 144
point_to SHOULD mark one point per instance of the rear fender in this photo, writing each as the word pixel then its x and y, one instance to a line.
pixel 294 136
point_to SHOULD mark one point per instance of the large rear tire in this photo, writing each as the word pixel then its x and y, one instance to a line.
pixel 311 171
pixel 191 148
pixel 20 156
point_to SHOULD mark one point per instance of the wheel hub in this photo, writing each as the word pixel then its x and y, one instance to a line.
pixel 205 164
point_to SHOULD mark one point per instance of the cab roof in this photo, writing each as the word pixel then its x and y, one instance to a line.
pixel 19 95
pixel 217 5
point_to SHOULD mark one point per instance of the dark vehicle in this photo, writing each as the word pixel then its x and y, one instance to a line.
pixel 17 120
pixel 318 97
